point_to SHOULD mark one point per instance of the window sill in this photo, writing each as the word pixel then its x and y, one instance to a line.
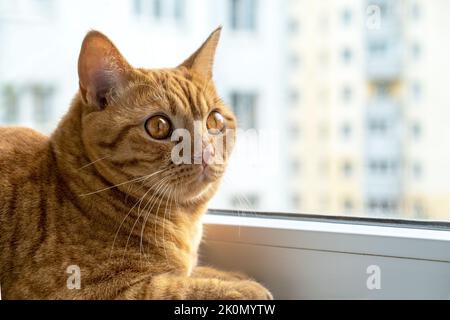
pixel 320 259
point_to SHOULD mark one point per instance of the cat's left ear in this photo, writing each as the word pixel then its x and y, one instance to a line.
pixel 202 60
pixel 101 69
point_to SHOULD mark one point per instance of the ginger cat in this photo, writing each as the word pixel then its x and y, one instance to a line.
pixel 103 194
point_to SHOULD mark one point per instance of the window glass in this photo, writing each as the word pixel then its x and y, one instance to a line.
pixel 342 107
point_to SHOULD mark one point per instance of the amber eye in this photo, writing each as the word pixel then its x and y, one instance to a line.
pixel 215 123
pixel 158 127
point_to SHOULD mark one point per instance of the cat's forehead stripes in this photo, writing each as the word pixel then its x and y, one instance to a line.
pixel 183 92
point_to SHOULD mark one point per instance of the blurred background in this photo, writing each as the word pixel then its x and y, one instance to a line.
pixel 343 103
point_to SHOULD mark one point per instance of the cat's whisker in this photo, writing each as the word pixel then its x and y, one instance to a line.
pixel 139 215
pixel 145 180
pixel 152 203
pixel 157 187
pixel 149 201
pixel 176 205
pixel 239 212
pixel 157 214
pixel 121 184
pixel 149 212
pixel 93 162
pixel 123 220
pixel 164 225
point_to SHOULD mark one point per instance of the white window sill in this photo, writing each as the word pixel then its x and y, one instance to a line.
pixel 300 259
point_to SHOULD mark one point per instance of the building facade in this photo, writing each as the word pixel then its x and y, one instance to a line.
pixel 366 99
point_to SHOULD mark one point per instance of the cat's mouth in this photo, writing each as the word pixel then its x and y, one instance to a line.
pixel 203 179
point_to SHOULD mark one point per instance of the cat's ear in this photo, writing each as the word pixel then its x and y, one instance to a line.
pixel 101 69
pixel 202 60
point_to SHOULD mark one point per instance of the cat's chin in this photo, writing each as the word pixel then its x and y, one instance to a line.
pixel 205 176
pixel 201 189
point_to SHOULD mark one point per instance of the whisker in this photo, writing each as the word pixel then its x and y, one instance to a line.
pixel 123 220
pixel 120 184
pixel 140 202
pixel 157 214
pixel 93 162
pixel 151 202
pixel 164 225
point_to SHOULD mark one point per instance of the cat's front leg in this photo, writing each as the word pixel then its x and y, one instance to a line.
pixel 212 273
pixel 174 287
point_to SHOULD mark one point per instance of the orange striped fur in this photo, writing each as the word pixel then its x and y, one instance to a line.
pixel 101 195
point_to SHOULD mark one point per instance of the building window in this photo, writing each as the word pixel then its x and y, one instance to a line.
pixel 419 211
pixel 415 11
pixel 377 126
pixel 347 169
pixel 347 93
pixel 382 91
pixel 243 15
pixel 382 205
pixel 383 167
pixel 294 97
pixel 416 51
pixel 348 205
pixel 42 97
pixel 244 105
pixel 346 16
pixel 346 130
pixel 347 55
pixel 416 131
pixel 293 26
pixel 159 9
pixel 178 9
pixel 10 105
pixel 137 7
pixel 377 48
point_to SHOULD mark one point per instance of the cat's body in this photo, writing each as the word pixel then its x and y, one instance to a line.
pixel 64 204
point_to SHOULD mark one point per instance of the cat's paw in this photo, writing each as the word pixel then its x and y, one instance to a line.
pixel 236 276
pixel 246 290
pixel 207 272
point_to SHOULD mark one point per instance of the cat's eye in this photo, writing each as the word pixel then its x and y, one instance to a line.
pixel 158 127
pixel 215 123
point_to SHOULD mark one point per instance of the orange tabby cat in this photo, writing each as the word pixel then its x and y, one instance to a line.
pixel 100 210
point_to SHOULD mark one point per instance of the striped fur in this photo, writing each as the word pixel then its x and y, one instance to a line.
pixel 78 198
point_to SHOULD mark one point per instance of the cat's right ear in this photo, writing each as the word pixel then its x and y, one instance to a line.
pixel 101 69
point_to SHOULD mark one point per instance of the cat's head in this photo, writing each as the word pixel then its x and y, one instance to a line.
pixel 166 126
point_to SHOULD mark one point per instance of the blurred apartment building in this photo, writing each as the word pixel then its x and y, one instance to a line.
pixel 368 100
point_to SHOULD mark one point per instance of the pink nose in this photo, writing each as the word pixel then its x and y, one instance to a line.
pixel 208 155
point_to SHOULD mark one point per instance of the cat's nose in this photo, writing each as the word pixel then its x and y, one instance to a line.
pixel 208 155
